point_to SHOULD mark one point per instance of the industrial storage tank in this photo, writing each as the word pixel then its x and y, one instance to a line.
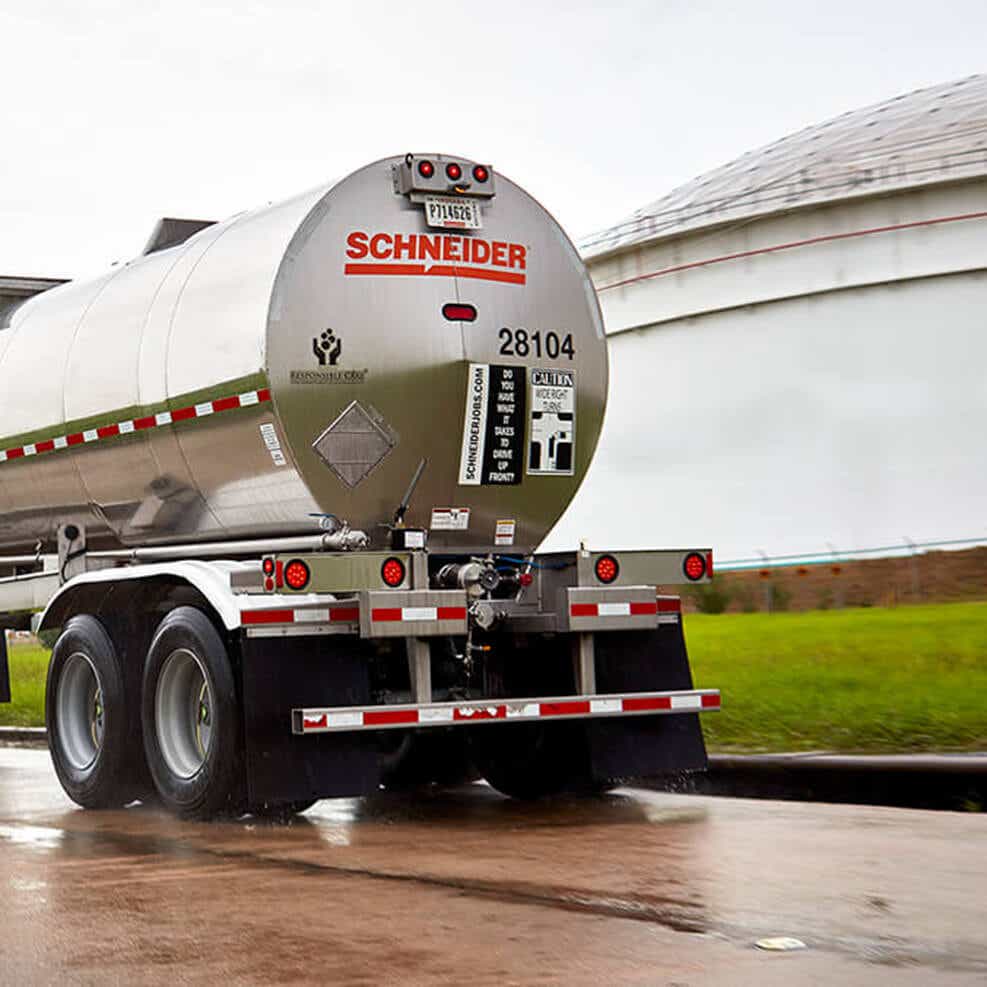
pixel 248 378
pixel 797 342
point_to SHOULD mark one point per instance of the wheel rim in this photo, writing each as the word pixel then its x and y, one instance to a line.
pixel 81 716
pixel 183 713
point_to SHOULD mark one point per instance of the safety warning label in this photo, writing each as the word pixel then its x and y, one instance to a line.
pixel 553 422
pixel 493 432
pixel 450 519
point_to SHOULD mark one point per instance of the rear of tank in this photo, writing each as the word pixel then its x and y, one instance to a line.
pixel 361 340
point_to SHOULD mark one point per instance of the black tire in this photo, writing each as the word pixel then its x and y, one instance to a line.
pixel 530 761
pixel 191 719
pixel 91 720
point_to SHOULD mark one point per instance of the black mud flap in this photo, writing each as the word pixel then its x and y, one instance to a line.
pixel 4 669
pixel 281 674
pixel 644 746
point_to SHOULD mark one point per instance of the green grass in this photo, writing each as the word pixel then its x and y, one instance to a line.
pixel 904 679
pixel 28 668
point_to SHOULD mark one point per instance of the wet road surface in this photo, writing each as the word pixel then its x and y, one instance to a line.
pixel 637 887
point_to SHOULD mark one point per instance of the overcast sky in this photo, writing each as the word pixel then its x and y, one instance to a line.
pixel 114 114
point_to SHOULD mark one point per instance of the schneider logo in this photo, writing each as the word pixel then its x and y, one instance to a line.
pixel 435 255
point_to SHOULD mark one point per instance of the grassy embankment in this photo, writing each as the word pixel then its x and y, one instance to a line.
pixel 905 679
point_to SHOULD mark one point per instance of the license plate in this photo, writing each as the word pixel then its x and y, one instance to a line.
pixel 450 213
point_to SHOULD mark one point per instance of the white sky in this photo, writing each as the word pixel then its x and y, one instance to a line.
pixel 113 114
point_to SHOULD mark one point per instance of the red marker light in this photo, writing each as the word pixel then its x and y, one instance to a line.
pixel 694 566
pixel 480 174
pixel 426 169
pixel 607 569
pixel 297 575
pixel 453 172
pixel 459 313
pixel 392 572
pixel 268 566
pixel 269 585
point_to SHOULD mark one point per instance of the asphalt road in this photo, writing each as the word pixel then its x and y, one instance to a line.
pixel 466 887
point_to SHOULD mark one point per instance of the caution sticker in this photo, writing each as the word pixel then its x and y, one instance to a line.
pixel 551 440
pixel 493 430
pixel 504 532
pixel 450 518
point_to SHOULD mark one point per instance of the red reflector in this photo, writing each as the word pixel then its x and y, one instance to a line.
pixel 269 585
pixel 480 174
pixel 249 617
pixel 525 579
pixel 575 708
pixel 385 717
pixel 459 313
pixel 453 171
pixel 426 169
pixel 669 605
pixel 392 572
pixel 694 566
pixel 710 702
pixel 296 575
pixel 632 705
pixel 607 568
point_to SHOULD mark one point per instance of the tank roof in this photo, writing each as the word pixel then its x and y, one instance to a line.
pixel 926 137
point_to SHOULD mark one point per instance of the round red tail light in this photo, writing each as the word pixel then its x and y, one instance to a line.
pixel 296 575
pixel 453 172
pixel 480 174
pixel 694 566
pixel 607 569
pixel 426 169
pixel 392 572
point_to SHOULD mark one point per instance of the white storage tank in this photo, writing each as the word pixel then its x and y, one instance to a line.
pixel 798 342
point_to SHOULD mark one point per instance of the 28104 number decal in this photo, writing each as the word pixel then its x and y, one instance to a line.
pixel 520 342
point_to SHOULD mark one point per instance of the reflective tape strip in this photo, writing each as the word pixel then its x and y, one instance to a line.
pixel 126 427
pixel 390 614
pixel 501 711
pixel 311 615
pixel 613 609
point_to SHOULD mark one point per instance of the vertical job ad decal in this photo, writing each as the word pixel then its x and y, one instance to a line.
pixel 493 432
pixel 551 442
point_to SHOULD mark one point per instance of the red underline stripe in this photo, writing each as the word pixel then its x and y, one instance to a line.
pixel 437 271
pixel 790 246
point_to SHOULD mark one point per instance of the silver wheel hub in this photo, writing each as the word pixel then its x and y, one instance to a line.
pixel 183 713
pixel 79 708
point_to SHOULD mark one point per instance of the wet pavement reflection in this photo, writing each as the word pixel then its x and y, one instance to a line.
pixel 633 887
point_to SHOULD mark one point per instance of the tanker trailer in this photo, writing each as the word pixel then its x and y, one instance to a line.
pixel 278 486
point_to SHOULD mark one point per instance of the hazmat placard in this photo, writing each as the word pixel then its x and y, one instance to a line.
pixel 552 436
pixel 493 430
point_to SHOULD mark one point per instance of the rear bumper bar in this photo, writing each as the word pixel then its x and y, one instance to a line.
pixel 341 719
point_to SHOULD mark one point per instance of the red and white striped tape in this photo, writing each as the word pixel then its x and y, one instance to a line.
pixel 348 614
pixel 391 614
pixel 131 425
pixel 492 711
pixel 613 609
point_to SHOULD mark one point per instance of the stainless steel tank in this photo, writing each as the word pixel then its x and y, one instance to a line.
pixel 301 360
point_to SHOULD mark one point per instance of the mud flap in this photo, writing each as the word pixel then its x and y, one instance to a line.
pixel 279 674
pixel 4 669
pixel 645 746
